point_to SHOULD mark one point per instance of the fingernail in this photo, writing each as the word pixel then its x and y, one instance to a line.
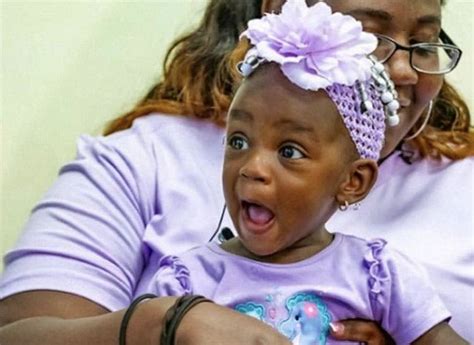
pixel 336 327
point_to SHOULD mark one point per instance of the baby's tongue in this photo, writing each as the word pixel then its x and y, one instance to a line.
pixel 259 214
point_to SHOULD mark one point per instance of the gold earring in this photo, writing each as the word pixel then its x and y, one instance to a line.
pixel 345 206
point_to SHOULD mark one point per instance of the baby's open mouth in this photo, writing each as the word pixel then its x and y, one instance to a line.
pixel 257 214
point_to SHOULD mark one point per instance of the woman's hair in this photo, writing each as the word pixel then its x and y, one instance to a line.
pixel 199 78
pixel 196 80
pixel 449 132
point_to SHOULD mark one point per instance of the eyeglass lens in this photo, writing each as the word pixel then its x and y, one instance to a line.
pixel 425 57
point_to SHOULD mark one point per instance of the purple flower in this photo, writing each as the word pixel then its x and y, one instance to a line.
pixel 314 47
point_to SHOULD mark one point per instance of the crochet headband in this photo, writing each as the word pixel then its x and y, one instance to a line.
pixel 317 49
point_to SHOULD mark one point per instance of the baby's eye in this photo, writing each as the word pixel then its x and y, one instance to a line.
pixel 238 142
pixel 291 152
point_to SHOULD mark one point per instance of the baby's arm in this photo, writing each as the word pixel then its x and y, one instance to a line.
pixel 440 334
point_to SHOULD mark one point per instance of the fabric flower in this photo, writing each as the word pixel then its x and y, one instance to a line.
pixel 314 47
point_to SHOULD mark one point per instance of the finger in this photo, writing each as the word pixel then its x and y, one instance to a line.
pixel 358 330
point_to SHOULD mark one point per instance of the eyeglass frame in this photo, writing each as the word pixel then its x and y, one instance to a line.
pixel 447 42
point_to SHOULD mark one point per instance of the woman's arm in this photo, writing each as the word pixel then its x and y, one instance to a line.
pixel 39 303
pixel 47 317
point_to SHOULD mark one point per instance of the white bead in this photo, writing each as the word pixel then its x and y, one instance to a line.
pixel 385 75
pixel 379 67
pixel 394 105
pixel 368 106
pixel 380 81
pixel 393 120
pixel 246 69
pixel 387 97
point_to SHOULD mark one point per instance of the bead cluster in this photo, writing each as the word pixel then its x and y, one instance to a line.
pixel 386 87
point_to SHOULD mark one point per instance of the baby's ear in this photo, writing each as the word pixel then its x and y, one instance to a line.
pixel 272 6
pixel 359 180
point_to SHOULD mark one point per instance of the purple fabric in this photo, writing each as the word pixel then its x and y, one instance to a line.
pixel 365 128
pixel 351 278
pixel 123 203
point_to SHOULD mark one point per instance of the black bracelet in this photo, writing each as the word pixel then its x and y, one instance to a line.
pixel 128 314
pixel 175 314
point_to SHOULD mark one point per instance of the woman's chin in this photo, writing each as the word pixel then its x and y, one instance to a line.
pixel 392 140
pixel 386 151
pixel 394 136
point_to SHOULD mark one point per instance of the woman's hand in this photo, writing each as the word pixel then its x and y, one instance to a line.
pixel 212 324
pixel 365 331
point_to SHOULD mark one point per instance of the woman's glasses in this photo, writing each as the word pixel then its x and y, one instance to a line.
pixel 430 58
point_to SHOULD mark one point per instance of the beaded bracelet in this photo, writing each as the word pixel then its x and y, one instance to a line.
pixel 175 314
pixel 128 314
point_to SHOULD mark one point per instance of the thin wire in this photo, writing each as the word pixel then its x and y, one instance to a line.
pixel 219 224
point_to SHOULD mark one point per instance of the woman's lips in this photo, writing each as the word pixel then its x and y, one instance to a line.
pixel 256 218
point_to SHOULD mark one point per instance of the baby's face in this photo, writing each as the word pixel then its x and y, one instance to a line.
pixel 287 152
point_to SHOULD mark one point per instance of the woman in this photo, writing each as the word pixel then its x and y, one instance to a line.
pixel 412 200
pixel 118 210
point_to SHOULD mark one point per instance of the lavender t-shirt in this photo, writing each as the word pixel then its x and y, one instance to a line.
pixel 124 202
pixel 351 278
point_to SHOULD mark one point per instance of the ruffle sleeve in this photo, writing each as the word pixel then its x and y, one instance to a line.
pixel 172 278
pixel 402 298
pixel 378 275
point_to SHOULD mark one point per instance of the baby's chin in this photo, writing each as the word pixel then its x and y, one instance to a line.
pixel 261 252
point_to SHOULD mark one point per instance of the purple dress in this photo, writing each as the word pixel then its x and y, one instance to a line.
pixel 351 278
